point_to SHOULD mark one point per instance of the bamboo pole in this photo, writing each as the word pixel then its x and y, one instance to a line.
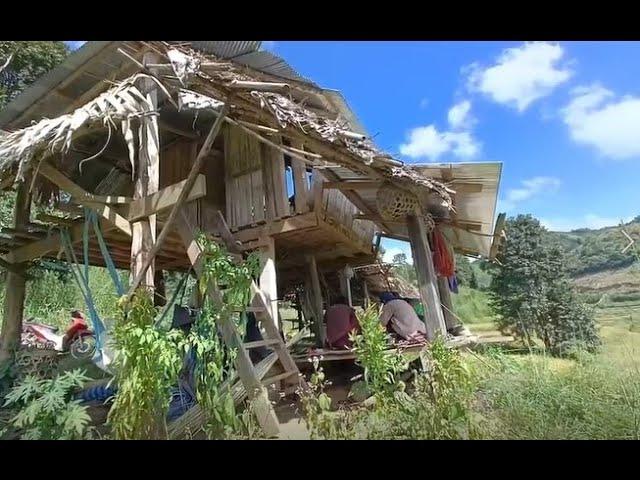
pixel 190 181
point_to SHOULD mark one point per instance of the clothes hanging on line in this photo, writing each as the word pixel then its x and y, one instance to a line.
pixel 443 259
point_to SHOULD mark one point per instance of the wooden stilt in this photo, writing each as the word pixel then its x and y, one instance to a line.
pixel 316 295
pixel 15 283
pixel 365 289
pixel 447 305
pixel 147 183
pixel 427 283
pixel 268 281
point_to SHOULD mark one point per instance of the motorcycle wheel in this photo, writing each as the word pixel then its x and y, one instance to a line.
pixel 83 347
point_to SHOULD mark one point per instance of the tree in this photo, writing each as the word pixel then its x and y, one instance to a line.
pixel 532 294
pixel 464 272
pixel 404 269
pixel 24 62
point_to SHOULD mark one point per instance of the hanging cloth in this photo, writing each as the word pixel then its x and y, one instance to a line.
pixel 443 260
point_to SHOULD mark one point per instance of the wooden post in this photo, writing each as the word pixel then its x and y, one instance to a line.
pixel 147 182
pixel 160 293
pixel 365 289
pixel 268 282
pixel 316 294
pixel 427 283
pixel 447 305
pixel 16 282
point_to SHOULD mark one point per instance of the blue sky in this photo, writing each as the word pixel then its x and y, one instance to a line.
pixel 564 118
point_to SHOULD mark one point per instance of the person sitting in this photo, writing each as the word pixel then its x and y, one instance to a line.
pixel 399 317
pixel 341 321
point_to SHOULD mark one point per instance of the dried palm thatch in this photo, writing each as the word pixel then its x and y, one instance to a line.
pixel 223 81
pixel 121 104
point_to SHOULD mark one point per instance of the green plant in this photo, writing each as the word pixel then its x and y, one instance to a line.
pixel 147 365
pixel 214 360
pixel 45 410
pixel 373 353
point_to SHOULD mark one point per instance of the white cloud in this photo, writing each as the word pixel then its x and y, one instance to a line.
pixel 611 126
pixel 268 45
pixel 428 142
pixel 589 220
pixel 459 115
pixel 530 188
pixel 521 75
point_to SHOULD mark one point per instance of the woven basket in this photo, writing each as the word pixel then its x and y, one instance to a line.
pixel 394 203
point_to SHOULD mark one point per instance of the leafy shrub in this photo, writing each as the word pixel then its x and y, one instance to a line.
pixel 45 410
pixel 371 345
pixel 147 364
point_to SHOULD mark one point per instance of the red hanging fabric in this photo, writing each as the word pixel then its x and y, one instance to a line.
pixel 443 260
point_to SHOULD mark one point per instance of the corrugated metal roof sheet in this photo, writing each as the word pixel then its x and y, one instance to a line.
pixel 227 49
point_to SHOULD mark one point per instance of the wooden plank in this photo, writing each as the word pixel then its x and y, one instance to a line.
pixel 447 305
pixel 316 294
pixel 268 280
pixel 278 178
pixel 177 207
pixel 300 185
pixel 164 199
pixel 267 182
pixel 427 284
pixel 257 192
pixel 353 185
pixel 83 197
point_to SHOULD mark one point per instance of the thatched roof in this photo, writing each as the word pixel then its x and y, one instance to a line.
pixel 254 97
pixel 381 278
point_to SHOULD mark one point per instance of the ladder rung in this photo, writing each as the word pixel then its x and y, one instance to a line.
pixel 260 343
pixel 275 378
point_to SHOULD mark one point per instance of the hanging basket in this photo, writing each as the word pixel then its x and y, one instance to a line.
pixel 394 204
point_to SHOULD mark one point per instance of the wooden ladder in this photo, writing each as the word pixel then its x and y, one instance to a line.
pixel 251 376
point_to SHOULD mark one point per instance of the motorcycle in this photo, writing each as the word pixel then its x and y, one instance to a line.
pixel 78 339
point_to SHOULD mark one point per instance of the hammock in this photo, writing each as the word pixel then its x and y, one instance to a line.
pixel 81 275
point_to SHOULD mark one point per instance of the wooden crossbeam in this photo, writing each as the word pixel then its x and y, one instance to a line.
pixel 83 197
pixel 164 199
pixel 352 185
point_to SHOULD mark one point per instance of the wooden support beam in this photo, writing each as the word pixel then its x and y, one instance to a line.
pixel 167 127
pixel 316 295
pixel 447 305
pixel 164 199
pixel 143 239
pixel 83 197
pixel 268 281
pixel 357 201
pixel 177 207
pixel 427 283
pixel 15 283
pixel 353 185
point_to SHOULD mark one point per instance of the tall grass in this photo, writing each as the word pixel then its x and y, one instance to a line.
pixel 535 397
pixel 50 297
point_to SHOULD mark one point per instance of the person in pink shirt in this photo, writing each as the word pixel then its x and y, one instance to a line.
pixel 341 321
